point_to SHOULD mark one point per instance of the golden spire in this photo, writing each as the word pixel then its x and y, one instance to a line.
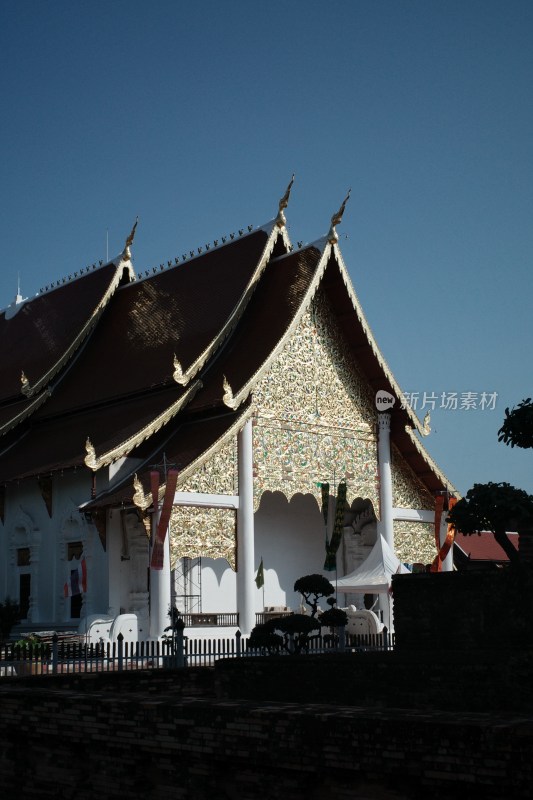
pixel 25 384
pixel 139 498
pixel 179 376
pixel 283 203
pixel 227 399
pixel 336 219
pixel 90 458
pixel 129 241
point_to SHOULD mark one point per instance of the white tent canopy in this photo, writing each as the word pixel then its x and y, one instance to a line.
pixel 374 575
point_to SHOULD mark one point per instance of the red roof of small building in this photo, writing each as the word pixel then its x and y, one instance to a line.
pixel 483 546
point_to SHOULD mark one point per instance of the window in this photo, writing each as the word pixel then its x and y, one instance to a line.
pixel 74 550
pixel 23 557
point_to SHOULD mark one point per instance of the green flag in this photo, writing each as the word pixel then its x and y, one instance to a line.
pixel 260 577
pixel 333 545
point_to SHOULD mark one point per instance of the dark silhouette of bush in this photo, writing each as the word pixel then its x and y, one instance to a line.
pixel 313 587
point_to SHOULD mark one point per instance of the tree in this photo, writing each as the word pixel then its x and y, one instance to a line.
pixel 517 428
pixel 291 633
pixel 313 587
pixel 334 618
pixel 496 507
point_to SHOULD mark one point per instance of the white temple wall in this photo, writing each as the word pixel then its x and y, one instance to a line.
pixel 219 586
pixel 127 569
pixel 289 536
pixel 28 524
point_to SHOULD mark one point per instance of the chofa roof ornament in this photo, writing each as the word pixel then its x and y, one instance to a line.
pixel 283 203
pixel 333 236
pixel 129 241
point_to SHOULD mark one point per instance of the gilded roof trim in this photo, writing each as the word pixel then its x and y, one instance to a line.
pixel 234 400
pixel 143 501
pixel 14 421
pixel 31 389
pixel 216 446
pixel 371 341
pixel 422 428
pixel 94 462
pixel 182 376
pixel 429 461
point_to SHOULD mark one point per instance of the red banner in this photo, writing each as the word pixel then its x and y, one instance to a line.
pixel 168 500
pixel 443 549
pixel 158 545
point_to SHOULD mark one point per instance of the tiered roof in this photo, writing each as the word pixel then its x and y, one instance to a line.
pixel 116 368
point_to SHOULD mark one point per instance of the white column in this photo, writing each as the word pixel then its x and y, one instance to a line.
pixel 447 564
pixel 385 526
pixel 113 546
pixel 160 588
pixel 245 532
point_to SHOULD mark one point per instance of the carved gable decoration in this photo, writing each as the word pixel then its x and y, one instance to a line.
pixel 207 532
pixel 219 475
pixel 413 541
pixel 202 532
pixel 315 416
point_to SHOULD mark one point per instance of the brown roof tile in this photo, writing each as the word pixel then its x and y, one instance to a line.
pixel 40 333
pixel 59 443
pixel 268 315
pixel 186 443
pixel 179 311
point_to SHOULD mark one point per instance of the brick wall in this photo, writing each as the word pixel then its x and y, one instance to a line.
pixel 82 743
pixel 464 611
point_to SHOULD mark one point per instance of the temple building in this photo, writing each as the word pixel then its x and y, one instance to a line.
pixel 165 434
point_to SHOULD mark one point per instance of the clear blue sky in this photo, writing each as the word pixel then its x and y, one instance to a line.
pixel 194 117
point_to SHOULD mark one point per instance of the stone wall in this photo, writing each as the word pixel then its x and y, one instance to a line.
pixel 464 611
pixel 116 738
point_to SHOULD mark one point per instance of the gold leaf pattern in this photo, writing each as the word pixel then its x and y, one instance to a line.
pixel 315 416
pixel 202 532
pixel 218 475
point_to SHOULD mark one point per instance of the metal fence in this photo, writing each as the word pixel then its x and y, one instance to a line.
pixel 67 657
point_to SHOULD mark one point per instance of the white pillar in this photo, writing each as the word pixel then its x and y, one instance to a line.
pixel 385 526
pixel 245 533
pixel 447 564
pixel 160 588
pixel 113 547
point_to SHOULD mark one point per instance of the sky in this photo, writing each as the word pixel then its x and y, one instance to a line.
pixel 193 117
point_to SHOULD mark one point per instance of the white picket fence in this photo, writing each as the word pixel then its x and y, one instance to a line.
pixel 59 657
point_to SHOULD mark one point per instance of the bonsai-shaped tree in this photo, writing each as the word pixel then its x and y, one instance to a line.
pixel 313 587
pixel 333 618
pixel 496 507
pixel 293 633
pixel 9 616
pixel 517 428
pixel 265 639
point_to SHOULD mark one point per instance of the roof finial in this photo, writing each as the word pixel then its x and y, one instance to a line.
pixel 283 203
pixel 129 241
pixel 24 384
pixel 90 455
pixel 333 237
